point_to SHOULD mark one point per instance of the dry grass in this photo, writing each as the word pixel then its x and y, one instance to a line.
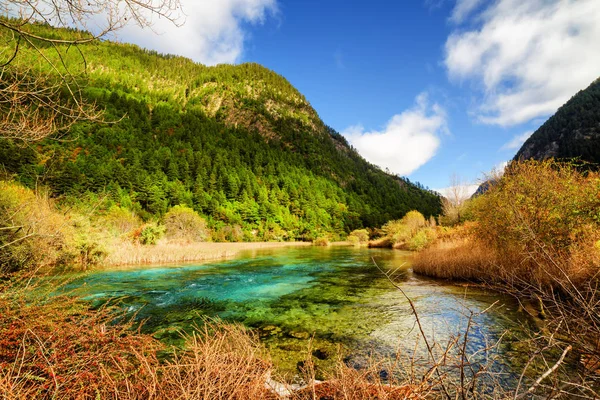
pixel 128 253
pixel 382 243
pixel 461 258
pixel 57 348
pixel 31 230
pixel 322 241
pixel 351 384
pixel 537 237
pixel 219 362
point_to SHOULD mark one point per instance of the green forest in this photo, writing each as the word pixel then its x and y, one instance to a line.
pixel 571 133
pixel 238 144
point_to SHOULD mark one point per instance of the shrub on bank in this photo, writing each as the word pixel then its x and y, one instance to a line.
pixel 421 239
pixel 322 241
pixel 228 233
pixel 32 233
pixel 120 220
pixel 412 232
pixel 544 219
pixel 535 236
pixel 183 223
pixel 358 237
pixel 150 233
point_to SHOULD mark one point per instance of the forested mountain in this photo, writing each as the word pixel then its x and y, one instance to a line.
pixel 239 144
pixel 573 132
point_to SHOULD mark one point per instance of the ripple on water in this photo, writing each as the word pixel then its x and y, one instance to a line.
pixel 337 294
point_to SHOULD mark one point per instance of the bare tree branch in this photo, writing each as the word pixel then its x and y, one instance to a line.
pixel 34 104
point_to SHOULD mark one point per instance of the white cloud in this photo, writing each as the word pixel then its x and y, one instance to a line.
pixel 408 141
pixel 499 168
pixel 528 57
pixel 517 141
pixel 463 191
pixel 213 31
pixel 463 9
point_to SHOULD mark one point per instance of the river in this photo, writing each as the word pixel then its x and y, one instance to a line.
pixel 335 294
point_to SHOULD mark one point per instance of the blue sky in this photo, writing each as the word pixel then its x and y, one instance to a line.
pixel 425 88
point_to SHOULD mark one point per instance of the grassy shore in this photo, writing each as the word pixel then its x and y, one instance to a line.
pixel 57 348
pixel 536 235
pixel 128 253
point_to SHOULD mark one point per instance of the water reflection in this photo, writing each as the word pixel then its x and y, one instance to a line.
pixel 288 295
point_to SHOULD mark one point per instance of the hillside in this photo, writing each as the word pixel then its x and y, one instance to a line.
pixel 239 144
pixel 573 132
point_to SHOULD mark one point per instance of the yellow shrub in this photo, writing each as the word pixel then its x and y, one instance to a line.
pixel 32 233
pixel 182 222
pixel 322 241
pixel 120 220
pixel 358 236
pixel 546 215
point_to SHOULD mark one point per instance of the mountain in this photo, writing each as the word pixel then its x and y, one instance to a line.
pixel 573 132
pixel 238 143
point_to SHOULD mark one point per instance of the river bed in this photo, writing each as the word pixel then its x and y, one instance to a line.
pixel 335 295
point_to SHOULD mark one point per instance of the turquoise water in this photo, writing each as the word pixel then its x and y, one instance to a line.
pixel 288 295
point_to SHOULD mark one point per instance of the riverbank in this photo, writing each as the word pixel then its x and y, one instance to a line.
pixel 57 347
pixel 167 252
pixel 536 236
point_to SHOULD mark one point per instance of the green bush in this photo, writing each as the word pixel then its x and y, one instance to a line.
pixel 182 222
pixel 397 231
pixel 359 236
pixel 228 233
pixel 89 250
pixel 120 220
pixel 151 233
pixel 421 239
pixel 353 240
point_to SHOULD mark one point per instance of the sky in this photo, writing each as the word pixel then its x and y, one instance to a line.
pixel 425 88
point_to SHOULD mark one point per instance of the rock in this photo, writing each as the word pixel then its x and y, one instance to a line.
pixel 292 347
pixel 299 335
pixel 270 330
pixel 172 332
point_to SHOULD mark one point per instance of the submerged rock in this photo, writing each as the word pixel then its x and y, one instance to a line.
pixel 270 330
pixel 321 354
pixel 299 335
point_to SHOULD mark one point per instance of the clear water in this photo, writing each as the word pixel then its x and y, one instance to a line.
pixel 335 294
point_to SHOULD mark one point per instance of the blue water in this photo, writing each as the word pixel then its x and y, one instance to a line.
pixel 287 295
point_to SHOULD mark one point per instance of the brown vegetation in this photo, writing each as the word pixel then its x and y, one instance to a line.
pixel 459 258
pixel 322 241
pixel 61 350
pixel 128 253
pixel 57 348
pixel 536 236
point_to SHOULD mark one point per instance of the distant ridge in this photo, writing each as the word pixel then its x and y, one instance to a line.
pixel 572 133
pixel 237 143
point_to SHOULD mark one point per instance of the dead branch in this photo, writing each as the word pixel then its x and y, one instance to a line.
pixel 34 105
